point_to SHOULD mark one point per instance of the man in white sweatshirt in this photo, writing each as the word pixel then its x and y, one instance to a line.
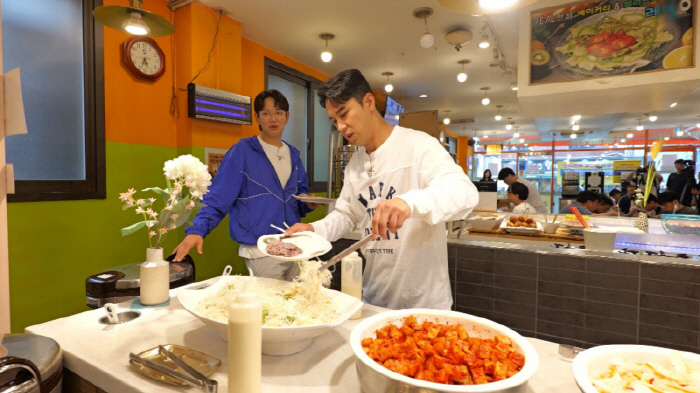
pixel 400 186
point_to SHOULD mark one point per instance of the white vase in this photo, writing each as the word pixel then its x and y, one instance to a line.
pixel 155 278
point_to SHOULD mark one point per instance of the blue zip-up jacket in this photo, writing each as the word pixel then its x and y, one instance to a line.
pixel 248 189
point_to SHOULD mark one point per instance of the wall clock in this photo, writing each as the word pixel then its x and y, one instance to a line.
pixel 143 57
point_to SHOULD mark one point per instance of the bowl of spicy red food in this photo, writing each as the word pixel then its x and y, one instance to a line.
pixel 421 350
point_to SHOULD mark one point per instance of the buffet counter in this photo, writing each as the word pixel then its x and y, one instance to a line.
pixel 99 354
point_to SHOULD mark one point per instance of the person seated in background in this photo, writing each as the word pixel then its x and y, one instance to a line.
pixel 652 208
pixel 586 203
pixel 487 176
pixel 605 204
pixel 625 201
pixel 509 177
pixel 615 194
pixel 517 195
pixel 669 202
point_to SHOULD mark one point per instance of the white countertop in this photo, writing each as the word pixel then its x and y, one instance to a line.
pixel 99 353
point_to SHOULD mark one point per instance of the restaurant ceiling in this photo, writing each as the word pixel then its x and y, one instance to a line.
pixel 377 36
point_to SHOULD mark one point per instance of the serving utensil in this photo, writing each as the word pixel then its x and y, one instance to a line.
pixel 209 385
pixel 166 370
pixel 346 252
pixel 580 217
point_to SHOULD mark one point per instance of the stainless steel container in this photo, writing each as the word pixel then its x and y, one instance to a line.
pixel 34 364
pixel 340 161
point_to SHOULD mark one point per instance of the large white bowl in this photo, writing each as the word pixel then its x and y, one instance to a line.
pixel 375 378
pixel 276 340
pixel 485 224
pixel 593 362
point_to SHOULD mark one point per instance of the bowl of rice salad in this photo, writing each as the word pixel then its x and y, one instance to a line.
pixel 294 313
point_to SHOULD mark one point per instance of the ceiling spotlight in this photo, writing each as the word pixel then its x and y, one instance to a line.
pixel 514 86
pixel 575 127
pixel 496 61
pixel 326 56
pixel 509 126
pixel 133 20
pixel 623 140
pixel 630 135
pixel 576 117
pixel 426 40
pixel 679 131
pixel 498 116
pixel 388 87
pixel 423 96
pixel 652 117
pixel 462 76
pixel 640 127
pixel 446 120
pixel 484 43
pixel 573 135
pixel 673 105
pixel 485 100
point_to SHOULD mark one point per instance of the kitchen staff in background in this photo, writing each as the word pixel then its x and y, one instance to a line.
pixel 401 185
pixel 254 186
pixel 509 177
pixel 487 176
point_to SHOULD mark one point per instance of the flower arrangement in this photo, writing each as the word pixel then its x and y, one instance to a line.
pixel 187 182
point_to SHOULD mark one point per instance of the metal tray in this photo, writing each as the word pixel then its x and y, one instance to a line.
pixel 201 362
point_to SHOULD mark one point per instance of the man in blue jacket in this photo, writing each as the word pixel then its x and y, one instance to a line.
pixel 254 186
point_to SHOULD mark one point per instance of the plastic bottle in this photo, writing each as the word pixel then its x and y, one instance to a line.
pixel 351 278
pixel 244 344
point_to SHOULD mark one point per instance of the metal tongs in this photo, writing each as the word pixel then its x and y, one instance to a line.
pixel 193 377
pixel 346 252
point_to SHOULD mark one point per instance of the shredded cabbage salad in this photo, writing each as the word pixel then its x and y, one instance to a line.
pixel 625 376
pixel 303 303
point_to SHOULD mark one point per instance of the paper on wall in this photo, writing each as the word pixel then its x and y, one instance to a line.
pixel 15 122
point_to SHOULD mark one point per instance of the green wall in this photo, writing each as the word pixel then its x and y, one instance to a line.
pixel 55 246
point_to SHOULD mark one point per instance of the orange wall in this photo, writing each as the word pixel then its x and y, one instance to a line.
pixel 138 110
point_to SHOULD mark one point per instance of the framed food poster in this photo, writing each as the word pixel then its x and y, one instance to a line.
pixel 586 40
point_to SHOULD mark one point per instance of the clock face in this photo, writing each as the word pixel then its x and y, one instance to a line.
pixel 145 58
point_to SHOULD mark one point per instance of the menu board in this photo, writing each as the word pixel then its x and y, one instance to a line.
pixel 585 40
pixel 622 168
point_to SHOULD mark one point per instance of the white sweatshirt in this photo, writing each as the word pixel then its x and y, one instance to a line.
pixel 410 269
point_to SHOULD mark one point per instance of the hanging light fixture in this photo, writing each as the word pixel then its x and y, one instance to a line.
pixel 485 100
pixel 623 140
pixel 667 138
pixel 652 117
pixel 575 127
pixel 462 76
pixel 697 125
pixel 446 120
pixel 326 56
pixel 576 117
pixel 484 43
pixel 514 86
pixel 640 127
pixel 573 135
pixel 426 40
pixel 679 131
pixel 509 126
pixel 673 105
pixel 516 134
pixel 498 116
pixel 133 20
pixel 630 135
pixel 388 87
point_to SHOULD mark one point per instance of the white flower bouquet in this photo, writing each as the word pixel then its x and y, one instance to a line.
pixel 187 182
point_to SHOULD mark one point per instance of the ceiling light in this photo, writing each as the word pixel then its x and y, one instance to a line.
pixel 426 40
pixel 667 138
pixel 640 127
pixel 653 117
pixel 496 4
pixel 133 20
pixel 326 56
pixel 576 117
pixel 388 87
pixel 673 105
pixel 484 43
pixel 623 140
pixel 462 76
pixel 423 96
pixel 513 85
pixel 509 126
pixel 446 120
pixel 496 61
pixel 498 116
pixel 679 131
pixel 575 127
pixel 485 100
pixel 522 140
pixel 573 135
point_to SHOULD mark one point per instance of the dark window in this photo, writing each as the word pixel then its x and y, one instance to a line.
pixel 58 47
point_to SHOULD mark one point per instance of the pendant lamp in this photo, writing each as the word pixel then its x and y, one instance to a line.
pixel 133 20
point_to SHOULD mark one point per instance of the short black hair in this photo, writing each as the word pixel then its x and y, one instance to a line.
pixel 344 86
pixel 652 198
pixel 505 172
pixel 585 196
pixel 605 200
pixel 614 192
pixel 668 196
pixel 279 98
pixel 679 161
pixel 520 190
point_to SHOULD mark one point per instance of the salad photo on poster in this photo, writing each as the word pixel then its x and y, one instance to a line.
pixel 596 39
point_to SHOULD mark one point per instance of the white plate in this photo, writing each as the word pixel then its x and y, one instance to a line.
pixel 317 200
pixel 487 224
pixel 522 230
pixel 593 362
pixel 311 244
